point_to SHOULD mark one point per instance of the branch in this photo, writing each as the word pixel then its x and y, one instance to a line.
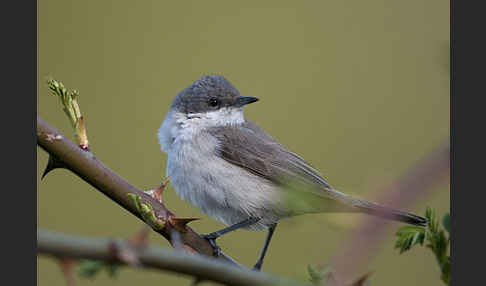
pixel 84 164
pixel 62 245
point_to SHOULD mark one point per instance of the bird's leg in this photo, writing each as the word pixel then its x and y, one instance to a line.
pixel 259 263
pixel 211 237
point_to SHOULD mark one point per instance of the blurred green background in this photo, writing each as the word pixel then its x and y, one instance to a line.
pixel 358 88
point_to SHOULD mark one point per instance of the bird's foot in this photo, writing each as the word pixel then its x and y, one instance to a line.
pixel 211 238
pixel 258 266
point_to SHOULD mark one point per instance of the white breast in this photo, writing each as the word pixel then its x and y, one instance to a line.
pixel 218 188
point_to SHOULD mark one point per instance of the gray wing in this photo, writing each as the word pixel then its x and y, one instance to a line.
pixel 249 147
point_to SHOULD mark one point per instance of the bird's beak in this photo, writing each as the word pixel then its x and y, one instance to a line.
pixel 244 100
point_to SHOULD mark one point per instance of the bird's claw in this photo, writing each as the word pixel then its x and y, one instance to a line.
pixel 211 238
pixel 257 267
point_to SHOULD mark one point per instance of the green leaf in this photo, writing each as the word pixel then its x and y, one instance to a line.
pixel 113 269
pixel 90 268
pixel 436 239
pixel 68 100
pixel 408 236
pixel 317 275
pixel 446 271
pixel 446 222
pixel 430 215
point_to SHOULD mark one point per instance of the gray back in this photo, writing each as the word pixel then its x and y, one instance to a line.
pixel 251 148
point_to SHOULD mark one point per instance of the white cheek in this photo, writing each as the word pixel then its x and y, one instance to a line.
pixel 179 126
pixel 225 116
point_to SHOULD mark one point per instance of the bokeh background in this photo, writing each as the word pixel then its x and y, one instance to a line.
pixel 358 88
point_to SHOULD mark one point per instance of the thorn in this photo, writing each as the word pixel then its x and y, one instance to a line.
pixel 67 266
pixel 157 192
pixel 52 164
pixel 140 238
pixel 180 223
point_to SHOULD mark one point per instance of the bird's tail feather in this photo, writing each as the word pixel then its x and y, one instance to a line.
pixel 389 213
pixel 355 204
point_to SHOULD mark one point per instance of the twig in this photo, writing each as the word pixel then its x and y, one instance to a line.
pixel 90 169
pixel 63 245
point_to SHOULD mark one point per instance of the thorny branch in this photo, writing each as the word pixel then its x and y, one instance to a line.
pixel 84 164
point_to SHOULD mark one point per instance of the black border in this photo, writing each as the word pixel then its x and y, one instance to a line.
pixel 18 23
pixel 467 146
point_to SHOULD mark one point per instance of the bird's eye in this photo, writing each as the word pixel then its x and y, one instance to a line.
pixel 213 102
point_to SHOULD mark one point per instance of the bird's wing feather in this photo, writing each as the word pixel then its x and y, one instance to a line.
pixel 251 148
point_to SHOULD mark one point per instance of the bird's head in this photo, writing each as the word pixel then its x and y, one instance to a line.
pixel 212 99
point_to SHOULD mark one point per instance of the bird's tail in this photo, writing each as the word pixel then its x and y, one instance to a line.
pixel 359 205
pixel 388 213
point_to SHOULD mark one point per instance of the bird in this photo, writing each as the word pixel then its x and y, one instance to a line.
pixel 232 170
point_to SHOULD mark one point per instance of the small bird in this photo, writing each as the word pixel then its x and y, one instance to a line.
pixel 235 172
